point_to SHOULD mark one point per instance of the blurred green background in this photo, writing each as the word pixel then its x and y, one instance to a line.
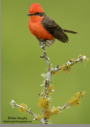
pixel 21 65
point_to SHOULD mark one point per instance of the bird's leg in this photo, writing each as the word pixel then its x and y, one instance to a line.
pixel 42 42
pixel 47 43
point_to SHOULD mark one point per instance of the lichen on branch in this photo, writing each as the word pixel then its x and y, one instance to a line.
pixel 45 96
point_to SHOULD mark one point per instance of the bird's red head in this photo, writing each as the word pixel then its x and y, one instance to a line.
pixel 35 7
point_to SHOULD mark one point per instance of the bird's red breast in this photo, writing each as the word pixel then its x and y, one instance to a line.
pixel 38 29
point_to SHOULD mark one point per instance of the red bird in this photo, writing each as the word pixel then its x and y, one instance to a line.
pixel 45 28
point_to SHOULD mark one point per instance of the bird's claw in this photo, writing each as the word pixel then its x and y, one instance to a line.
pixel 42 44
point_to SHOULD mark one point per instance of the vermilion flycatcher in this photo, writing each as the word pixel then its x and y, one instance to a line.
pixel 44 27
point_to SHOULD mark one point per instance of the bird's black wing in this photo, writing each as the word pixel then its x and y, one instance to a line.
pixel 54 29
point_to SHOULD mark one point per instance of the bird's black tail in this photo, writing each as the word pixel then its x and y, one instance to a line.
pixel 69 31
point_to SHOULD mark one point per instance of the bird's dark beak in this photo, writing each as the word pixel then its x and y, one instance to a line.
pixel 30 14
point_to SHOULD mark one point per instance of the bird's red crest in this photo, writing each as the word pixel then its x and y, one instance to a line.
pixel 36 7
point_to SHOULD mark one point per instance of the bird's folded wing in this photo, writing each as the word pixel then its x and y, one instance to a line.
pixel 54 29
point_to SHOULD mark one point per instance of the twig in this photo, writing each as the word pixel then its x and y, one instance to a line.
pixel 14 104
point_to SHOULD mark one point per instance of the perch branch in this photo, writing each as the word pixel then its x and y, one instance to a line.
pixel 44 98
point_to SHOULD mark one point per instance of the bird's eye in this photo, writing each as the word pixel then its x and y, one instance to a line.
pixel 37 13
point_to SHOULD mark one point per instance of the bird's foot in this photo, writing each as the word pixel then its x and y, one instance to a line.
pixel 42 44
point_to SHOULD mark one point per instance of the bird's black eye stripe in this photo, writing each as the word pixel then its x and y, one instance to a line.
pixel 37 13
pixel 40 14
